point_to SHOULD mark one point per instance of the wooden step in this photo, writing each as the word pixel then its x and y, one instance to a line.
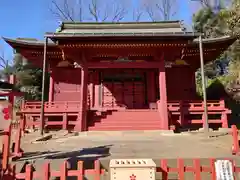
pixel 128 120
pixel 132 116
pixel 107 119
pixel 135 123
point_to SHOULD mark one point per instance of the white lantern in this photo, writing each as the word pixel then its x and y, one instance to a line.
pixel 5 116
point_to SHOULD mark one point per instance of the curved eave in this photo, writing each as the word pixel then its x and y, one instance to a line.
pixel 212 47
pixel 37 45
pixel 33 50
pixel 170 36
pixel 214 41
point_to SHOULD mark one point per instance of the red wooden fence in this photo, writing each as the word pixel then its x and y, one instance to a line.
pixel 197 169
pixel 7 152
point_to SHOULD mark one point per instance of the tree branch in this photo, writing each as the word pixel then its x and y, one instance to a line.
pixel 67 10
pixel 94 10
pixel 97 9
pixel 137 15
pixel 162 9
pixel 118 14
pixel 149 11
pixel 59 12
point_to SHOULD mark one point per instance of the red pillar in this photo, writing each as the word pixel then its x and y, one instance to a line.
pixel 163 96
pixel 91 89
pixel 96 89
pixel 51 88
pixel 82 116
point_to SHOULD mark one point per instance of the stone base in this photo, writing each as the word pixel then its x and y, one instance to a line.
pixel 225 130
pixel 203 130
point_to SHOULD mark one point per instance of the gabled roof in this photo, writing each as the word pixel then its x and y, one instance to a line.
pixel 123 29
pixel 81 27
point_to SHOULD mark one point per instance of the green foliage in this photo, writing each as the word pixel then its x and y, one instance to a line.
pixel 226 21
pixel 216 82
pixel 29 78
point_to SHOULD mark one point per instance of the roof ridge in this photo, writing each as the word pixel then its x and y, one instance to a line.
pixel 120 25
pixel 129 22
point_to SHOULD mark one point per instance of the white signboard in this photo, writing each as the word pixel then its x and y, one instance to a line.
pixel 224 170
pixel 132 169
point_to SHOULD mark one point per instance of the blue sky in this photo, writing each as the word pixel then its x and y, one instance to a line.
pixel 32 18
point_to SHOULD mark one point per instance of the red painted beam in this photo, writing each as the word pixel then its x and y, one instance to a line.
pixel 143 65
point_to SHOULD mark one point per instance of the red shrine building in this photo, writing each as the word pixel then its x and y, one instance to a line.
pixel 122 76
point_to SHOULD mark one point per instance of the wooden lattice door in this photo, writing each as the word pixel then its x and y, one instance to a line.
pixel 125 89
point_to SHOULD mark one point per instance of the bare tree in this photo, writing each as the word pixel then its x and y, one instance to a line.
pixel 89 10
pixel 137 14
pixel 5 64
pixel 160 9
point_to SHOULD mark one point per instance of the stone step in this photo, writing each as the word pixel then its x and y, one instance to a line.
pixel 123 127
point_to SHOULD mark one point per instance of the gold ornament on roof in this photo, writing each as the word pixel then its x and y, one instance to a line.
pixel 181 62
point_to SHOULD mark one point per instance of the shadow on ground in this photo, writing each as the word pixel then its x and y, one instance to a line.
pixel 99 151
pixel 87 155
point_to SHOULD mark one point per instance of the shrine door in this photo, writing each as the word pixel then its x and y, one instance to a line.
pixel 125 88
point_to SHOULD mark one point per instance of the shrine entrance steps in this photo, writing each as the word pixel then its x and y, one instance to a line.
pixel 132 119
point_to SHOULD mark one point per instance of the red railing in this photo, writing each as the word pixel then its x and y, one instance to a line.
pixel 73 106
pixel 195 108
pixel 187 112
pixel 163 170
pixel 57 106
pixel 196 105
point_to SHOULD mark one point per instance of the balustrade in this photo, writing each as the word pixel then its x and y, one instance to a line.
pixel 70 106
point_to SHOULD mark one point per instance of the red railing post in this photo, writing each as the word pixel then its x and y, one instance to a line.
pixel 80 170
pixel 29 172
pixel 235 147
pixel 164 167
pixel 97 167
pixel 64 171
pixel 181 169
pixel 46 171
pixel 197 169
pixel 17 149
pixel 6 146
pixel 213 170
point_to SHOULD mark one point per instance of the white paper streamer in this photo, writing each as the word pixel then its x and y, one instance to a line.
pixel 224 170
